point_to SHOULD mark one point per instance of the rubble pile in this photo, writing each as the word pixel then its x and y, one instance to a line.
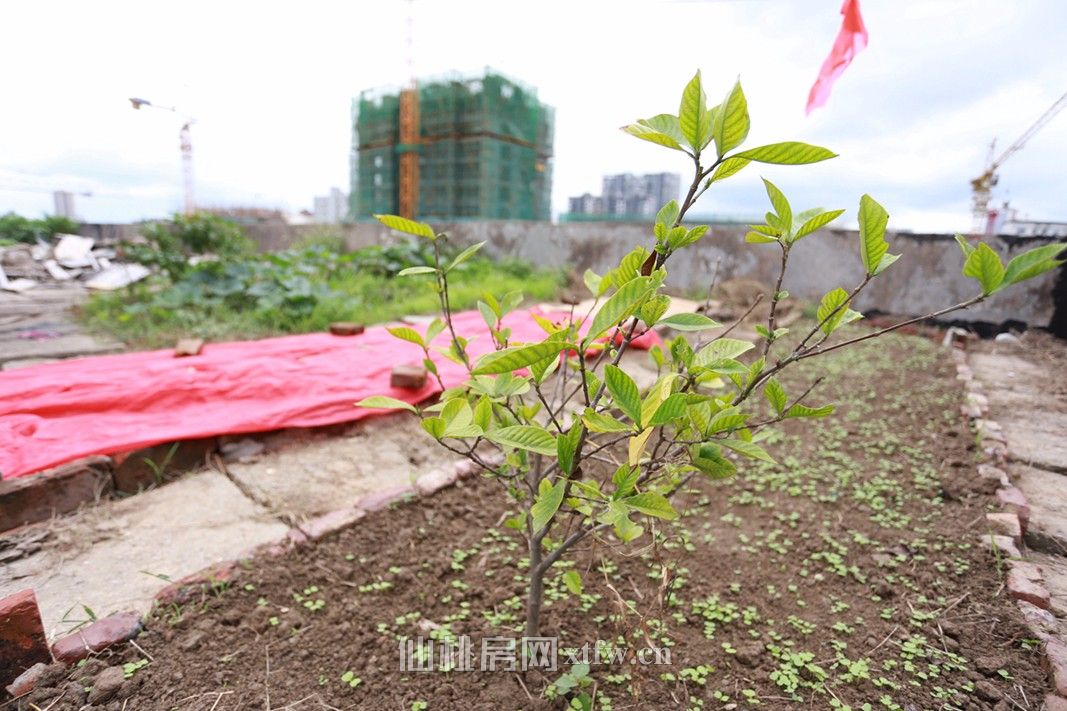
pixel 71 258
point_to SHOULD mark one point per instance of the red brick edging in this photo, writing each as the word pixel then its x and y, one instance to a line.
pixel 1025 580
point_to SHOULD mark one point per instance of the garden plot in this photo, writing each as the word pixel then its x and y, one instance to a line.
pixel 850 575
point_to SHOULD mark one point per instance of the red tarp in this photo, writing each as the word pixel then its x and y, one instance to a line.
pixel 51 414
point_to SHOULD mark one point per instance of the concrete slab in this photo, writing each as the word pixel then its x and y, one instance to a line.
pixel 110 557
pixel 1037 438
pixel 315 473
pixel 1046 493
pixel 62 346
pixel 1011 382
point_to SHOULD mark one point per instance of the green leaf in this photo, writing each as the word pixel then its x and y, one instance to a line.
pixel 599 422
pixel 464 256
pixel 593 282
pixel 528 437
pixel 817 222
pixel 405 333
pixel 487 314
pixel 965 246
pixel 690 237
pixel 671 408
pixel 573 580
pixel 781 206
pixel 985 266
pixel 566 446
pixel 730 418
pixel 805 411
pixel 622 304
pixel 708 459
pixel 416 270
pixel 651 504
pixel 731 122
pixel 1031 263
pixel 483 413
pixel 873 248
pixel 758 238
pixel 668 214
pixel 721 349
pixel 730 166
pixel 625 478
pixel 653 308
pixel 549 497
pixel 665 123
pixel 510 359
pixel 693 117
pixel 435 426
pixel 787 153
pixel 689 322
pixel 434 330
pixel 775 394
pixel 752 451
pixel 402 224
pixel 652 135
pixel 383 402
pixel 624 392
pixel 835 302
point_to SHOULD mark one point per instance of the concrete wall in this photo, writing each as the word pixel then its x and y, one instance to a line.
pixel 925 279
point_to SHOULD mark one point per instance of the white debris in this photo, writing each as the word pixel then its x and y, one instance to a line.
pixel 1007 338
pixel 57 272
pixel 16 285
pixel 117 276
pixel 75 251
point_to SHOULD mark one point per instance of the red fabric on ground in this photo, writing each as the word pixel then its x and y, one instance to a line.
pixel 55 413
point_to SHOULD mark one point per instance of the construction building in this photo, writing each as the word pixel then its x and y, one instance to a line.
pixel 627 196
pixel 453 148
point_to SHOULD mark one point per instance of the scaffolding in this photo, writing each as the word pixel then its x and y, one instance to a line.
pixel 484 150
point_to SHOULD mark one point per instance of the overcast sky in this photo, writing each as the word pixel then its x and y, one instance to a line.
pixel 271 84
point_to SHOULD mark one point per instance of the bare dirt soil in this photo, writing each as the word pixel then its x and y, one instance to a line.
pixel 850 575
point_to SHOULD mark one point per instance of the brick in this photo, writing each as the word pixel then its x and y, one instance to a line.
pixel 408 377
pixel 1014 501
pixel 22 640
pixel 134 474
pixel 1005 524
pixel 27 680
pixel 320 526
pixel 988 471
pixel 97 637
pixel 978 400
pixel 196 584
pixel 188 347
pixel 381 499
pixel 38 497
pixel 1025 583
pixel 1056 662
pixel 989 431
pixel 1041 622
pixel 345 328
pixel 1055 703
pixel 1004 544
pixel 433 481
pixel 972 412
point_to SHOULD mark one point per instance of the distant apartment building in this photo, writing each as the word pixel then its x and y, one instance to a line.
pixel 627 195
pixel 64 204
pixel 332 208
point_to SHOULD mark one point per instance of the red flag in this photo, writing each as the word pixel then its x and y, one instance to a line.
pixel 850 40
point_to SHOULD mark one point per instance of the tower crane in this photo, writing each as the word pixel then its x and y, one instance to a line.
pixel 984 183
pixel 186 143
